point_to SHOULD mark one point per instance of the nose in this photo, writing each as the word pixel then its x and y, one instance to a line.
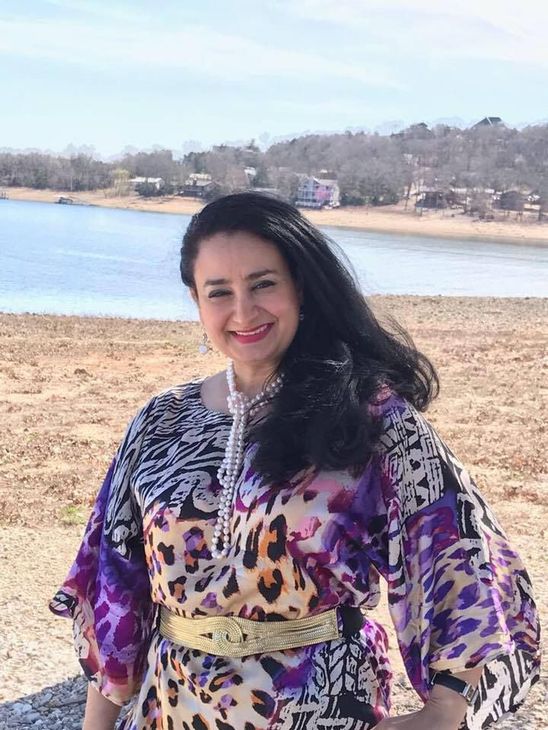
pixel 244 308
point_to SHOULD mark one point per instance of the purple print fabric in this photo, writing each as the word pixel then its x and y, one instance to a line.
pixel 459 595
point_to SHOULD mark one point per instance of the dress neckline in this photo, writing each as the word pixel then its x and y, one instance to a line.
pixel 198 394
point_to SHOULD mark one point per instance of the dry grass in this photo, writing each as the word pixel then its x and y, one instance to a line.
pixel 70 384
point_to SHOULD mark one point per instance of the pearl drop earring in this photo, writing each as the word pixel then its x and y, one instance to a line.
pixel 203 347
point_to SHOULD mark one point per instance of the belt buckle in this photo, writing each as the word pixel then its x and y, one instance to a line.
pixel 231 635
pixel 219 635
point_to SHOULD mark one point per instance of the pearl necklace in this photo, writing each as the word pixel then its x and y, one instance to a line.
pixel 242 408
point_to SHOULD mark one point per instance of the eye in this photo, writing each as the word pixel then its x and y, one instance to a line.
pixel 264 283
pixel 218 293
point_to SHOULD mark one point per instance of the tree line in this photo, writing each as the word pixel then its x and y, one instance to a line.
pixel 370 168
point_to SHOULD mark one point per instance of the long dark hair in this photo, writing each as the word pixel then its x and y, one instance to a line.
pixel 340 356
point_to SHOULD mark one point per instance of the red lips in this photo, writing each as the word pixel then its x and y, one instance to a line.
pixel 257 334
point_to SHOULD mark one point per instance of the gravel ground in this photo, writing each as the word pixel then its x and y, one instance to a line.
pixel 68 386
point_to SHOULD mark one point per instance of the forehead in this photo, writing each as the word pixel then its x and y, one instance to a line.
pixel 235 255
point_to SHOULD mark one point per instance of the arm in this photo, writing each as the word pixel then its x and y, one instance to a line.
pixel 444 709
pixel 101 714
pixel 107 590
pixel 107 595
pixel 459 595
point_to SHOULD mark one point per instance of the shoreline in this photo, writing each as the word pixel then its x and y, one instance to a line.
pixel 390 220
pixel 373 300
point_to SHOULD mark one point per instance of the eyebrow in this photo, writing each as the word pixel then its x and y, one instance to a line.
pixel 250 277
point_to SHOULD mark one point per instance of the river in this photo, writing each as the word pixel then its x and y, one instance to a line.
pixel 83 260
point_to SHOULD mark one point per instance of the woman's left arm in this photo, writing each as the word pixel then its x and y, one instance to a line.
pixel 444 710
pixel 458 594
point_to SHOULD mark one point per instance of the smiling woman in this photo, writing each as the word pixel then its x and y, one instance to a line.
pixel 248 303
pixel 231 566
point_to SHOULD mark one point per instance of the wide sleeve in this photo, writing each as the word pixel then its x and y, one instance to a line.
pixel 459 595
pixel 107 591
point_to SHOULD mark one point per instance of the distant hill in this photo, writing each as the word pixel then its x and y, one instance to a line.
pixel 420 164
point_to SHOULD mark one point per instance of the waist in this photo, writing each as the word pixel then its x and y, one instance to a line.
pixel 232 636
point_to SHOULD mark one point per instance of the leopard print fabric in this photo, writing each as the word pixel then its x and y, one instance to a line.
pixel 458 594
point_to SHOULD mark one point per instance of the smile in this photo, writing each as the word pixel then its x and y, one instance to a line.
pixel 249 336
pixel 253 332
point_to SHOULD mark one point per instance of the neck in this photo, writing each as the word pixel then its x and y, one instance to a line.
pixel 251 380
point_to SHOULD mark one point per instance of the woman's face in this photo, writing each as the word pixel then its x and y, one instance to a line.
pixel 248 301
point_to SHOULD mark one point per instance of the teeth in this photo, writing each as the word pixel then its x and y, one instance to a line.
pixel 253 332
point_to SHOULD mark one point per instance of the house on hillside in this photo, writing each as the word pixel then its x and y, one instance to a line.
pixel 156 182
pixel 488 122
pixel 431 198
pixel 458 197
pixel 511 200
pixel 317 193
pixel 198 185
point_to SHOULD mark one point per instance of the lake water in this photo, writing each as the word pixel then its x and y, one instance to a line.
pixel 85 260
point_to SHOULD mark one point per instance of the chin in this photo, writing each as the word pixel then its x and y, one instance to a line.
pixel 254 355
pixel 254 358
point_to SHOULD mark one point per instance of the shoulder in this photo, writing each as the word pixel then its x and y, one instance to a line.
pixel 388 405
pixel 401 426
pixel 174 402
pixel 176 396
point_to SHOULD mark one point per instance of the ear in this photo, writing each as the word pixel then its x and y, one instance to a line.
pixel 299 287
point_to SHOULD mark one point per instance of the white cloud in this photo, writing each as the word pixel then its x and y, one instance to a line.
pixel 499 30
pixel 111 11
pixel 193 48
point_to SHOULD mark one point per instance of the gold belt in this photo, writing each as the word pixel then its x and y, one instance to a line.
pixel 232 636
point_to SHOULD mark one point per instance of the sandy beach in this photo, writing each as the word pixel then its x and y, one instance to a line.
pixel 69 385
pixel 394 219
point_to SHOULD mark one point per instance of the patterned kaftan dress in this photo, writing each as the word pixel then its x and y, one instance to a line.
pixel 459 595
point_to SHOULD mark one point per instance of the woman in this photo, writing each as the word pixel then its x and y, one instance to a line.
pixel 247 517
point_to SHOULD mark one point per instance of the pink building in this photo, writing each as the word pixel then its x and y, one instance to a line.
pixel 316 193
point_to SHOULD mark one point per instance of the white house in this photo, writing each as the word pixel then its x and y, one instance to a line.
pixel 157 182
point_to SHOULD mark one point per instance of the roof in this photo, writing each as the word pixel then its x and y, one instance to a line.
pixel 199 176
pixel 489 122
pixel 320 181
pixel 198 180
pixel 153 180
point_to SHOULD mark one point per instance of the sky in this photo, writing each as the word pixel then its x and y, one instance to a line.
pixel 185 75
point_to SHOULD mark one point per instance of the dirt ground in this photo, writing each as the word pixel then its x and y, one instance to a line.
pixel 69 385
